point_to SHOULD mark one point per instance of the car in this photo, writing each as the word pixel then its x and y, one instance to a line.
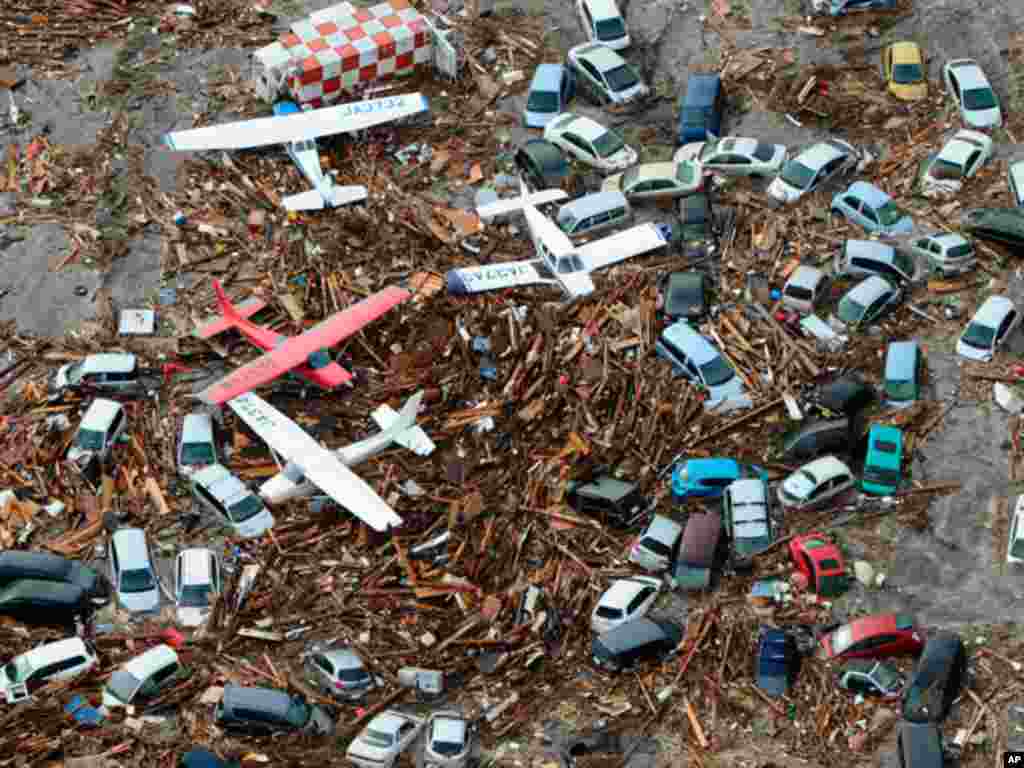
pixel 708 478
pixel 991 325
pixel 920 745
pixel 196 447
pixel 960 158
pixel 700 116
pixel 734 156
pixel 266 711
pixel 590 142
pixel 815 483
pixel 805 288
pixel 940 675
pixel 218 491
pixel 843 7
pixel 873 637
pixel 777 661
pixel 384 738
pixel 748 517
pixel 197 580
pixel 614 501
pixel 634 642
pixel 16 565
pixel 683 295
pixel 1000 225
pixel 863 258
pixel 603 23
pixel 819 437
pixel 868 677
pixel 144 678
pixel 698 230
pixel 199 757
pixel 948 253
pixel 26 673
pixel 339 672
pixel 812 168
pixel 47 603
pixel 624 600
pixel 864 304
pixel 968 86
pixel 1015 543
pixel 869 207
pixel 904 71
pixel 449 740
pixel 656 547
pixel 694 357
pixel 652 181
pixel 606 77
pixel 884 460
pixel 1015 182
pixel 820 562
pixel 901 377
pixel 101 426
pixel 104 372
pixel 702 539
pixel 847 394
pixel 550 92
pixel 131 571
pixel 541 164
pixel 590 214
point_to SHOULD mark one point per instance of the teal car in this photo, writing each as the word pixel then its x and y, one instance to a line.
pixel 884 460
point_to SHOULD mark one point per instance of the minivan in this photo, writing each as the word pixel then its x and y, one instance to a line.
pixel 107 371
pixel 265 711
pixel 748 517
pixel 43 566
pixel 101 426
pixel 700 117
pixel 23 675
pixel 805 289
pixel 220 492
pixel 196 449
pixel 612 501
pixel 631 643
pixel 902 383
pixel 549 94
pixel 131 571
pixel 884 460
pixel 48 603
pixel 696 558
pixel 594 213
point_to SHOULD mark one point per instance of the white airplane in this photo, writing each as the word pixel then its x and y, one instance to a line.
pixel 561 263
pixel 298 131
pixel 310 465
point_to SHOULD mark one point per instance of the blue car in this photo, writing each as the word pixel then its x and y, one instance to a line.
pixel 777 662
pixel 708 478
pixel 843 7
pixel 700 117
pixel 550 92
pixel 867 205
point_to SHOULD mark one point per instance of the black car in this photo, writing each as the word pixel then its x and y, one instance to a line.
pixel 820 438
pixel 778 661
pixel 265 711
pixel 940 674
pixel 847 394
pixel 541 164
pixel 49 603
pixel 1001 225
pixel 635 641
pixel 43 566
pixel 684 296
pixel 612 501
pixel 919 745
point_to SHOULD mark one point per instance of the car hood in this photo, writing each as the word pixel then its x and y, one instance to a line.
pixel 140 602
pixel 984 118
pixel 192 617
pixel 360 748
pixel 782 192
pixel 797 486
pixel 255 526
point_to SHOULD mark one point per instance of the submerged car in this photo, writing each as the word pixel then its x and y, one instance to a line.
pixel 812 168
pixel 869 207
pixel 873 637
pixel 734 156
pixel 967 84
pixel 958 160
pixel 604 75
pixel 816 483
pixel 590 142
pixel 904 71
pixel 1001 225
pixel 988 329
pixel 651 181
pixel 865 303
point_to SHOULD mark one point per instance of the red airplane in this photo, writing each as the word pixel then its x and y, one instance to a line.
pixel 305 354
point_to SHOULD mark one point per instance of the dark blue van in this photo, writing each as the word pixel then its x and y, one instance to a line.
pixel 702 109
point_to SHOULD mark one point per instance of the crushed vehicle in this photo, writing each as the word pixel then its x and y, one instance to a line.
pixel 604 76
pixel 802 444
pixel 111 372
pixel 821 563
pixel 960 158
pixel 940 675
pixel 972 93
pixel 265 711
pixel 655 549
pixel 26 673
pixel 16 565
pixel 868 677
pixel 874 637
pixel 948 253
pixel 806 288
pixel 683 295
pixel 848 394
pixel 872 209
pixel 624 600
pixel 634 642
pixel 734 156
pixel 339 672
pixel 590 142
pixel 812 168
pixel 615 502
pixel 991 325
pixel 541 164
pixel 384 739
pixel 594 213
pixel 47 603
pixel 217 490
pixel 698 229
pixel 864 258
pixel 815 484
pixel 144 678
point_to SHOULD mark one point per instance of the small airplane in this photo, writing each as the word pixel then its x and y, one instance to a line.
pixel 561 263
pixel 396 427
pixel 304 355
pixel 308 461
pixel 298 130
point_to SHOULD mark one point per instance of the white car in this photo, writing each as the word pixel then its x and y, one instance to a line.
pixel 1015 544
pixel 102 424
pixel 650 181
pixel 143 678
pixel 384 739
pixel 815 483
pixel 989 328
pixel 23 675
pixel 946 252
pixel 196 582
pixel 959 159
pixel 973 94
pixel 603 23
pixel 811 168
pixel 604 75
pixel 590 142
pixel 733 156
pixel 805 289
pixel 196 449
pixel 656 548
pixel 624 600
pixel 449 740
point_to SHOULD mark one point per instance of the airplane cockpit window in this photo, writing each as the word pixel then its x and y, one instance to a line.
pixel 319 359
pixel 569 264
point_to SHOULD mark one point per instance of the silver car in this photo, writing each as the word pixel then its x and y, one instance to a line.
pixel 991 325
pixel 339 672
pixel 384 739
pixel 812 168
pixel 197 580
pixel 658 545
pixel 815 483
pixel 805 288
pixel 624 600
pixel 102 424
pixel 105 372
pixel 217 490
pixel 196 449
pixel 449 740
pixel 967 84
pixel 131 571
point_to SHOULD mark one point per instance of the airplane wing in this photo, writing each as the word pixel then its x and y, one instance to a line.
pixel 297 349
pixel 623 245
pixel 319 465
pixel 513 204
pixel 506 274
pixel 312 200
pixel 281 129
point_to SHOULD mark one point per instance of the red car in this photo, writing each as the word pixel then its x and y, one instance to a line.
pixel 872 637
pixel 821 563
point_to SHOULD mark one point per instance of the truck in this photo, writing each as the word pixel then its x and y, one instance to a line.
pixel 343 52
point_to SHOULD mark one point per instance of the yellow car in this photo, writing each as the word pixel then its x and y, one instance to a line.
pixel 903 66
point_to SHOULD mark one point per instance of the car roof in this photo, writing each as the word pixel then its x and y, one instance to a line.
pixel 606 487
pixel 143 665
pixel 389 721
pixel 750 490
pixel 806 276
pixel 951 239
pixel 547 77
pixel 869 289
pixel 869 193
pixel 663 529
pixel 584 126
pixel 344 658
pixel 109 362
pixel 197 566
pixel 690 279
pixel 601 56
pixel 818 155
pixel 905 52
pixel 130 544
pixel 957 150
pixel 57 650
pixel 712 467
pixel 448 726
pixel 655 171
pixel 543 152
pixel 596 202
pixel 622 591
pixel 885 432
pixel 197 427
pixel 100 414
pixel 871 249
pixel 992 312
pixel 969 74
pixel 738 145
pixel 901 360
pixel 826 467
pixel 692 343
pixel 254 697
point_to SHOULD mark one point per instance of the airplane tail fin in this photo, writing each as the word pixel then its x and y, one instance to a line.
pixel 401 427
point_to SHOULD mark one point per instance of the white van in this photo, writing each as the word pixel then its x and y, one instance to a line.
pixel 63 660
pixel 594 213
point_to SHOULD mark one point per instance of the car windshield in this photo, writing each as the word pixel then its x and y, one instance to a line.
pixel 621 78
pixel 197 453
pixel 887 477
pixel 137 580
pixel 17 669
pixel 607 612
pixel 842 639
pixel 655 546
pixel 978 336
pixel 629 176
pixel 764 152
pixel 1018 549
pixel 298 712
pixel 353 675
pixel 945 170
pixel 979 98
pixel 123 685
pixel 248 507
pixel 959 251
pixel 377 738
pixel 195 596
pixel 542 101
pixel 907 73
pixel 850 311
pixel 899 390
pixel 797 175
pixel 608 143
pixel 685 173
pixel 75 373
pixel 610 29
pixel 890 213
pixel 716 372
pixel 90 439
pixel 799 292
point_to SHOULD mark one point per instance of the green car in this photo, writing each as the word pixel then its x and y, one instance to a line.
pixel 884 460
